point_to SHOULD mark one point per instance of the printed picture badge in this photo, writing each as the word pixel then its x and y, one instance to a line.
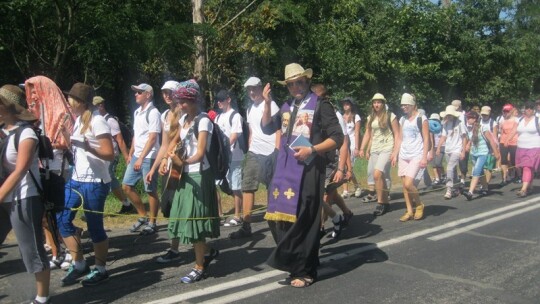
pixel 303 123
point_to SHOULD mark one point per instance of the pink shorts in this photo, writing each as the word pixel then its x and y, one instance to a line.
pixel 410 168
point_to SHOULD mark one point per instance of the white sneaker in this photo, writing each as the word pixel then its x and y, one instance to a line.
pixel 358 192
pixel 345 194
pixel 68 259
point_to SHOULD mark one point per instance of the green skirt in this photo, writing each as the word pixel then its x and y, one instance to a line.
pixel 194 212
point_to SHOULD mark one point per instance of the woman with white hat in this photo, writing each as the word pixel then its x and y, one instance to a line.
pixel 382 131
pixel 413 155
pixel 454 138
pixel 19 194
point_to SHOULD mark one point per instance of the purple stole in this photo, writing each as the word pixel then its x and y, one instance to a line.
pixel 284 190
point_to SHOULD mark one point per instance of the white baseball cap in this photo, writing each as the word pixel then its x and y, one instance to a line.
pixel 170 85
pixel 253 82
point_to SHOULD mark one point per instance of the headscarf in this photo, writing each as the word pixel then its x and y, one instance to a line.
pixel 188 89
pixel 55 107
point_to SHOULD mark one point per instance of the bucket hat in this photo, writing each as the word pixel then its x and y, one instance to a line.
pixel 82 92
pixel 450 110
pixel 378 96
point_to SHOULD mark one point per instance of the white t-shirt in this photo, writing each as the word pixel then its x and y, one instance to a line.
pixel 223 121
pixel 528 137
pixel 26 187
pixel 115 130
pixel 164 121
pixel 412 145
pixel 143 128
pixel 190 144
pixel 88 167
pixel 454 131
pixel 341 122
pixel 261 143
pixel 350 130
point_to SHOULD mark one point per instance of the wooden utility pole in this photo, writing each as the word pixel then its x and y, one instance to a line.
pixel 200 54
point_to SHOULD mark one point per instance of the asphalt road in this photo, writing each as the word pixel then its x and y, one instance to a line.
pixel 482 251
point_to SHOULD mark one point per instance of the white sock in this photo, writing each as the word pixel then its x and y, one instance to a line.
pixel 126 203
pixel 101 269
pixel 42 299
pixel 53 258
pixel 80 265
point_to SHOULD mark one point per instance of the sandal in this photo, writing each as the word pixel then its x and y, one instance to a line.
pixel 406 217
pixel 370 198
pixel 381 209
pixel 419 212
pixel 306 281
pixel 522 193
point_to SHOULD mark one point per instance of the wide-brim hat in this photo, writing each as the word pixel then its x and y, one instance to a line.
pixel 450 110
pixel 294 71
pixel 378 96
pixel 408 99
pixel 13 96
pixel 82 92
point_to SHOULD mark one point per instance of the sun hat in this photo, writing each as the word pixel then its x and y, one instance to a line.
pixel 456 103
pixel 472 114
pixel 508 107
pixel 378 96
pixel 435 126
pixel 97 100
pixel 188 89
pixel 143 87
pixel 435 116
pixel 253 82
pixel 82 92
pixel 170 85
pixel 443 114
pixel 13 96
pixel 347 100
pixel 450 110
pixel 294 71
pixel 407 99
pixel 486 110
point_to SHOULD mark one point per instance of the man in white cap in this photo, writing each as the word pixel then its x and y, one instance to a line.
pixel 142 155
pixel 297 186
pixel 258 161
pixel 119 147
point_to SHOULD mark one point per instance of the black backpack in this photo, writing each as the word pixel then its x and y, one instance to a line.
pixel 124 130
pixel 219 153
pixel 243 140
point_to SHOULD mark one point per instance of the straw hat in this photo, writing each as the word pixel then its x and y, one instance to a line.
pixel 294 71
pixel 378 96
pixel 12 96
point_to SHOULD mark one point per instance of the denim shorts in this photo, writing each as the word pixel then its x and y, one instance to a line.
pixel 132 177
pixel 234 176
pixel 92 197
pixel 478 162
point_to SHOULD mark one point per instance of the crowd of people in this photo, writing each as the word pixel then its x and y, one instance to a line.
pixel 302 152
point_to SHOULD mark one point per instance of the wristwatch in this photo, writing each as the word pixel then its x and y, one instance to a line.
pixel 313 150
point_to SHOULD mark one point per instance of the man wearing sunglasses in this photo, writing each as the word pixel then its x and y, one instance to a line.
pixel 144 148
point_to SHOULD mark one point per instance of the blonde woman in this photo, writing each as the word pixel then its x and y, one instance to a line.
pixel 382 131
pixel 413 155
pixel 92 145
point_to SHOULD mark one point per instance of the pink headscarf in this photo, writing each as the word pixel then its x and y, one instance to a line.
pixel 55 107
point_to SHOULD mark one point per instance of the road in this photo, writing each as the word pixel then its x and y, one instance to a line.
pixel 482 251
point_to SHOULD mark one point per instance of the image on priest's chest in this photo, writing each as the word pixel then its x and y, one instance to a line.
pixel 303 123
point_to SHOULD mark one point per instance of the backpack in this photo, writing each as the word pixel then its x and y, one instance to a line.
pixel 52 185
pixel 243 139
pixel 419 126
pixel 124 130
pixel 219 153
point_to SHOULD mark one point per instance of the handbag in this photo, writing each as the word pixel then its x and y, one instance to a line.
pixel 52 190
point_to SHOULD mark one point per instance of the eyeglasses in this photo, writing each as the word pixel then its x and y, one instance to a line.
pixel 297 83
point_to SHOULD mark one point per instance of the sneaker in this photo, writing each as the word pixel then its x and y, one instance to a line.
pixel 468 195
pixel 55 263
pixel 95 277
pixel 381 209
pixel 347 218
pixel 462 181
pixel 436 182
pixel 503 183
pixel 483 192
pixel 358 192
pixel 140 222
pixel 210 256
pixel 73 274
pixel 345 194
pixel 233 222
pixel 67 262
pixel 38 302
pixel 243 232
pixel 337 227
pixel 193 276
pixel 126 209
pixel 448 194
pixel 517 181
pixel 168 257
pixel 149 229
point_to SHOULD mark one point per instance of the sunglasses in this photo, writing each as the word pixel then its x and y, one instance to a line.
pixel 140 92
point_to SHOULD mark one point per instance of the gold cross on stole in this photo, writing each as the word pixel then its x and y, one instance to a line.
pixel 276 193
pixel 289 193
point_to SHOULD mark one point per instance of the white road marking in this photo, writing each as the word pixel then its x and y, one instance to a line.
pixel 274 285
